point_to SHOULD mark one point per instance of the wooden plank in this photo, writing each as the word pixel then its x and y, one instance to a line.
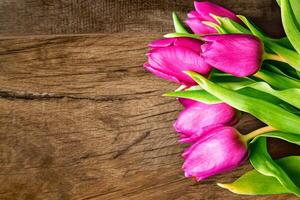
pixel 28 17
pixel 81 119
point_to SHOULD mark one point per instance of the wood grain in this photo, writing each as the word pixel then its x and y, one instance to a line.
pixel 32 17
pixel 81 119
pixel 79 116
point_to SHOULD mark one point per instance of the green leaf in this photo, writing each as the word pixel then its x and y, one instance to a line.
pixel 278 2
pixel 255 183
pixel 205 97
pixel 274 69
pixel 289 137
pixel 296 10
pixel 291 95
pixel 298 73
pixel 283 42
pixel 295 6
pixel 179 26
pixel 249 87
pixel 263 163
pixel 281 68
pixel 245 86
pixel 278 81
pixel 226 25
pixel 197 95
pixel 253 28
pixel 267 112
pixel 290 108
pixel 189 35
pixel 227 79
pixel 217 27
pixel 290 56
pixel 290 23
pixel 270 177
pixel 230 26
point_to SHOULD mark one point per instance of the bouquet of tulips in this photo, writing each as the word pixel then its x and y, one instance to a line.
pixel 226 65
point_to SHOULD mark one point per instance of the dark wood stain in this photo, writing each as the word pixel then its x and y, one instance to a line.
pixel 27 17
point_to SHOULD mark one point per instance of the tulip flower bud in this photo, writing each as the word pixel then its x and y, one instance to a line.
pixel 237 54
pixel 198 118
pixel 202 13
pixel 168 58
pixel 221 150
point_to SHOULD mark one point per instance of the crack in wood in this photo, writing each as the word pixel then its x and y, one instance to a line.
pixel 49 96
pixel 134 142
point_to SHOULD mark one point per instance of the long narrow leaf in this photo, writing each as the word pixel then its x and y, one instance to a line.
pixel 255 183
pixel 189 35
pixel 217 27
pixel 290 56
pixel 290 24
pixel 267 112
pixel 278 81
pixel 197 95
pixel 178 25
pixel 291 95
pixel 270 177
pixel 296 10
pixel 263 163
pixel 281 68
pixel 230 26
pixel 205 97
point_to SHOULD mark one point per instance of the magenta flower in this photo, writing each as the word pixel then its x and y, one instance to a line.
pixel 168 58
pixel 237 54
pixel 221 150
pixel 198 118
pixel 202 13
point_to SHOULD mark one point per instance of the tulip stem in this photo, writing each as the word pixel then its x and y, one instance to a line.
pixel 257 132
pixel 269 56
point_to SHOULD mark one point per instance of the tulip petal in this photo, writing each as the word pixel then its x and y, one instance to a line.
pixel 221 151
pixel 176 59
pixel 193 14
pixel 198 118
pixel 205 8
pixel 187 102
pixel 189 43
pixel 161 74
pixel 236 54
pixel 162 43
pixel 198 27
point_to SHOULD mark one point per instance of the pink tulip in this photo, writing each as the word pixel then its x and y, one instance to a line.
pixel 236 54
pixel 202 13
pixel 168 58
pixel 221 150
pixel 198 118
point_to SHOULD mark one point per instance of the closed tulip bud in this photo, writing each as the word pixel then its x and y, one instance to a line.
pixel 202 13
pixel 168 58
pixel 198 118
pixel 221 150
pixel 237 54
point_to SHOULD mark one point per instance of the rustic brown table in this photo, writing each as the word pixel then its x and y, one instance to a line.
pixel 79 116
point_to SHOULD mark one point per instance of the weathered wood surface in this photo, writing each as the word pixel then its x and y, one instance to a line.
pixel 81 119
pixel 79 116
pixel 19 17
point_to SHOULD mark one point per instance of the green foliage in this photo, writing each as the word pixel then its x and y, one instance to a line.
pixel 267 112
pixel 178 25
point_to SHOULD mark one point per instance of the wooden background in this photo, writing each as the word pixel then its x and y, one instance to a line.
pixel 79 116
